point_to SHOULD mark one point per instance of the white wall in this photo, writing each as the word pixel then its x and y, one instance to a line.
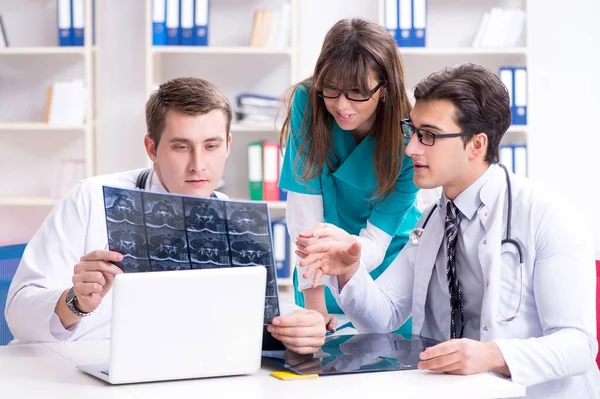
pixel 564 102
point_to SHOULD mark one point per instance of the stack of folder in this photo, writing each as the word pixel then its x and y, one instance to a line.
pixel 71 22
pixel 515 80
pixel 264 168
pixel 406 20
pixel 180 22
pixel 257 109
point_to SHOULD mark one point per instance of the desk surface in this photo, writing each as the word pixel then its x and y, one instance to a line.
pixel 48 370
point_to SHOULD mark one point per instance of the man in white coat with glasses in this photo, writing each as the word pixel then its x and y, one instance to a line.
pixel 498 269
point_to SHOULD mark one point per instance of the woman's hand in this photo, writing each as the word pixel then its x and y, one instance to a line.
pixel 328 250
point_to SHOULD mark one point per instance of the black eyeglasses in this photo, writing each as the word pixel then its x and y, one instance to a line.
pixel 425 136
pixel 350 94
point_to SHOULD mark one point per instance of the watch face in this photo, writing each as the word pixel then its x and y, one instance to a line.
pixel 70 296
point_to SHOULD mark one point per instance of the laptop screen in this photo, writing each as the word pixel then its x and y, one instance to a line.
pixel 163 231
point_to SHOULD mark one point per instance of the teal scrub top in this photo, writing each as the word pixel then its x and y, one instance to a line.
pixel 347 191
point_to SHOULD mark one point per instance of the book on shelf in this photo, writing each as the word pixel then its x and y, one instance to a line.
pixel 271 28
pixel 65 103
pixel 500 28
pixel 3 36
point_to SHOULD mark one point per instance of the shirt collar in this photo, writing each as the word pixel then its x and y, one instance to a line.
pixel 155 184
pixel 469 200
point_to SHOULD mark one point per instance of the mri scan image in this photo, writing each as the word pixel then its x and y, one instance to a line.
pixel 134 265
pixel 163 211
pixel 167 244
pixel 208 250
pixel 271 282
pixel 249 250
pixel 271 309
pixel 247 218
pixel 205 214
pixel 123 206
pixel 127 239
pixel 168 265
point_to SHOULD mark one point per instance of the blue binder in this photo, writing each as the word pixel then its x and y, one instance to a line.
pixel 65 22
pixel 281 248
pixel 201 22
pixel 519 116
pixel 78 21
pixel 506 75
pixel 514 157
pixel 172 22
pixel 419 23
pixel 391 18
pixel 405 26
pixel 186 22
pixel 159 22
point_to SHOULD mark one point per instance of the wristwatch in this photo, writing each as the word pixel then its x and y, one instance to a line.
pixel 71 304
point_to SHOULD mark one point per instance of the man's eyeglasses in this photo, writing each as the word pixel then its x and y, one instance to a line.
pixel 350 94
pixel 425 136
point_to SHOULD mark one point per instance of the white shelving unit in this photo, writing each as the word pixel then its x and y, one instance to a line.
pixel 234 67
pixel 451 27
pixel 45 50
pixel 38 127
pixel 217 50
pixel 31 150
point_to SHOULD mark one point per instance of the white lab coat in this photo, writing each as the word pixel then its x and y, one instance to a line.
pixel 75 227
pixel 550 346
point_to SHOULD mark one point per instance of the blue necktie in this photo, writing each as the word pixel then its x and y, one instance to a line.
pixel 457 322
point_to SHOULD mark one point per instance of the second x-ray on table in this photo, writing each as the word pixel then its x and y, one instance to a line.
pixel 360 353
pixel 163 231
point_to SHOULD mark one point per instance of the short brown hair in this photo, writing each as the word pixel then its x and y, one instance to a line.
pixel 481 100
pixel 189 96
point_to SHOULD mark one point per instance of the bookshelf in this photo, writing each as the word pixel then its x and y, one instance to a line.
pixel 462 51
pixel 218 50
pixel 234 67
pixel 38 127
pixel 33 151
pixel 46 50
pixel 450 33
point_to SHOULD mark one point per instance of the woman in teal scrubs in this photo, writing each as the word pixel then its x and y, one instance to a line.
pixel 344 163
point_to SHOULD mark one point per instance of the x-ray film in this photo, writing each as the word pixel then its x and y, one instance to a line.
pixel 162 231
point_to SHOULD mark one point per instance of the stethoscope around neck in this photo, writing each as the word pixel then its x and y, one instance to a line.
pixel 415 238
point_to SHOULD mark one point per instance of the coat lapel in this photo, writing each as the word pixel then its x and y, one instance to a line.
pixel 429 246
pixel 492 216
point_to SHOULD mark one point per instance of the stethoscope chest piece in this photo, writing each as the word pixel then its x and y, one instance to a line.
pixel 415 235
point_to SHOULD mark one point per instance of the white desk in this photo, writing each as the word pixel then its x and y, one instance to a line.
pixel 48 371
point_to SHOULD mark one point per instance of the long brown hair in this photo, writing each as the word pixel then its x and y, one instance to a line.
pixel 351 50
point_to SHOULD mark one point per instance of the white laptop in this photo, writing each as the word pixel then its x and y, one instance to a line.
pixel 185 324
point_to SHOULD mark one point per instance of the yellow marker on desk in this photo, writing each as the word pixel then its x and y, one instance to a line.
pixel 290 376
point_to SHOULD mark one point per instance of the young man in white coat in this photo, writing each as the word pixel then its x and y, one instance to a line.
pixel 61 290
pixel 461 277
